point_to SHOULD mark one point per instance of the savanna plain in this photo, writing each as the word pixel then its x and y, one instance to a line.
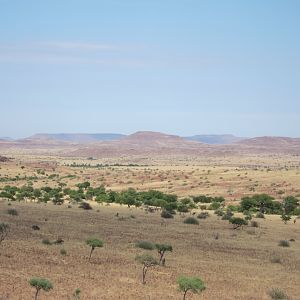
pixel 242 263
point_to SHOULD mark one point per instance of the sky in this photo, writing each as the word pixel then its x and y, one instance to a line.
pixel 176 66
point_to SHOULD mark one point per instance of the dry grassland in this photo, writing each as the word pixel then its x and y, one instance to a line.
pixel 235 266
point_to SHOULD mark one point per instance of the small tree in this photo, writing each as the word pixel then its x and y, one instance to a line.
pixel 147 261
pixel 40 284
pixel 238 222
pixel 193 284
pixel 94 243
pixel 161 249
pixel 4 228
pixel 285 218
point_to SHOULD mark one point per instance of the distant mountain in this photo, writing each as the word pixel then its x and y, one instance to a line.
pixel 6 138
pixel 77 137
pixel 140 143
pixel 148 144
pixel 273 144
pixel 215 138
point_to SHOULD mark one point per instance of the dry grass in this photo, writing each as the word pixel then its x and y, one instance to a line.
pixel 237 265
pixel 231 177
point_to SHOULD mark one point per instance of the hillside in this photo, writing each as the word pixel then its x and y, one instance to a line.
pixel 272 144
pixel 140 143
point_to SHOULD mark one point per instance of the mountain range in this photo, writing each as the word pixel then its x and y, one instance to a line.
pixel 96 137
pixel 148 143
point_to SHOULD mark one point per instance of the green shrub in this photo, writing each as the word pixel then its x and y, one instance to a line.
pixel 228 214
pixel 238 222
pixel 284 243
pixel 182 208
pixel 233 208
pixel 145 245
pixel 277 294
pixel 191 220
pixel 219 212
pixel 63 252
pixel 214 205
pixel 166 214
pixel 46 242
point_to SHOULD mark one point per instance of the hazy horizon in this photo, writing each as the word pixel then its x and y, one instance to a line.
pixel 178 67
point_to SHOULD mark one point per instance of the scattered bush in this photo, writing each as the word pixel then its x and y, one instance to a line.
pixel 228 214
pixel 219 212
pixel 277 294
pixel 284 243
pixel 191 220
pixel 63 252
pixel 238 222
pixel 214 205
pixel 166 214
pixel 145 245
pixel 46 242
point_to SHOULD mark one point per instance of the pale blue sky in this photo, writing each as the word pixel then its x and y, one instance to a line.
pixel 176 66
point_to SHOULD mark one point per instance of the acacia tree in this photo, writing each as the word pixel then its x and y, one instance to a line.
pixel 289 204
pixel 94 243
pixel 263 201
pixel 148 261
pixel 161 249
pixel 193 284
pixel 4 228
pixel 40 284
